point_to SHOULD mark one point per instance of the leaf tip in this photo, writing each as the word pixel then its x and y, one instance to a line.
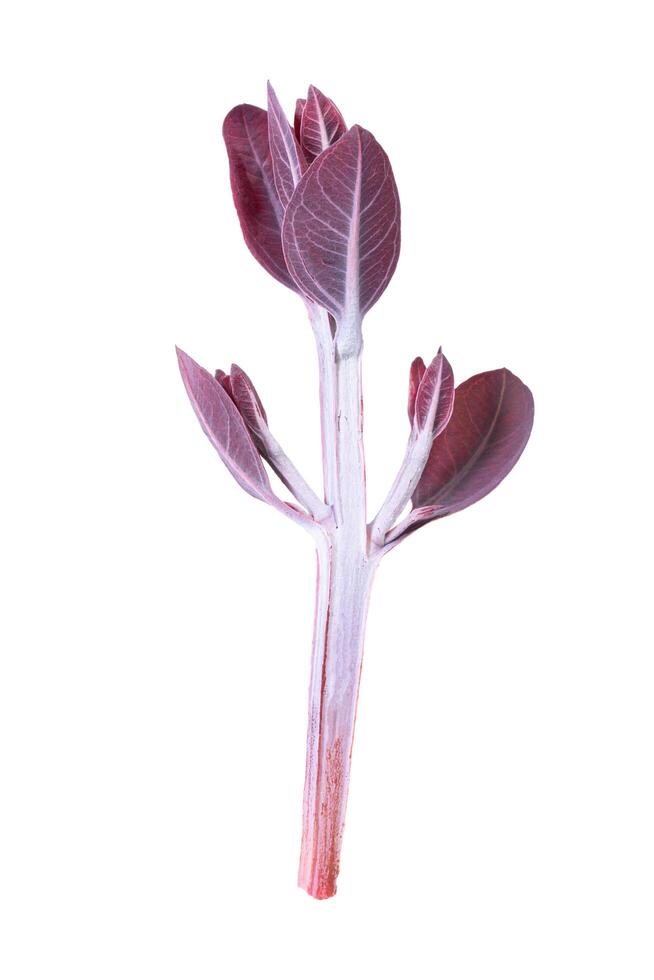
pixel 183 358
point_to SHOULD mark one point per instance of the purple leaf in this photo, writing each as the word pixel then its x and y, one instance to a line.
pixel 287 158
pixel 219 410
pixel 221 421
pixel 225 381
pixel 341 230
pixel 435 396
pixel 259 209
pixel 321 124
pixel 297 119
pixel 415 376
pixel 489 428
pixel 247 400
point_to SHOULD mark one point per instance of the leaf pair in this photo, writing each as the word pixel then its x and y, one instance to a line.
pixel 232 416
pixel 318 205
pixel 491 420
pixel 244 395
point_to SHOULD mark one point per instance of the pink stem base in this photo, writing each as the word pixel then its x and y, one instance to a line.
pixel 344 580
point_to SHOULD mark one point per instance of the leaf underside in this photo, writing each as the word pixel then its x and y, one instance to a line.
pixel 341 230
pixel 288 160
pixel 321 123
pixel 247 400
pixel 436 390
pixel 297 119
pixel 222 423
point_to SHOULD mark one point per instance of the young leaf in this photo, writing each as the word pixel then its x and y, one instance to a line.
pixel 259 209
pixel 225 381
pixel 253 414
pixel 435 396
pixel 489 428
pixel 297 119
pixel 222 423
pixel 247 400
pixel 287 158
pixel 321 124
pixel 415 377
pixel 341 230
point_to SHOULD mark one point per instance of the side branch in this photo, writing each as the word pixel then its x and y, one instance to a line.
pixel 415 459
pixel 291 476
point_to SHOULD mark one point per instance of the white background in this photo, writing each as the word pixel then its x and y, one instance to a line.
pixel 157 621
